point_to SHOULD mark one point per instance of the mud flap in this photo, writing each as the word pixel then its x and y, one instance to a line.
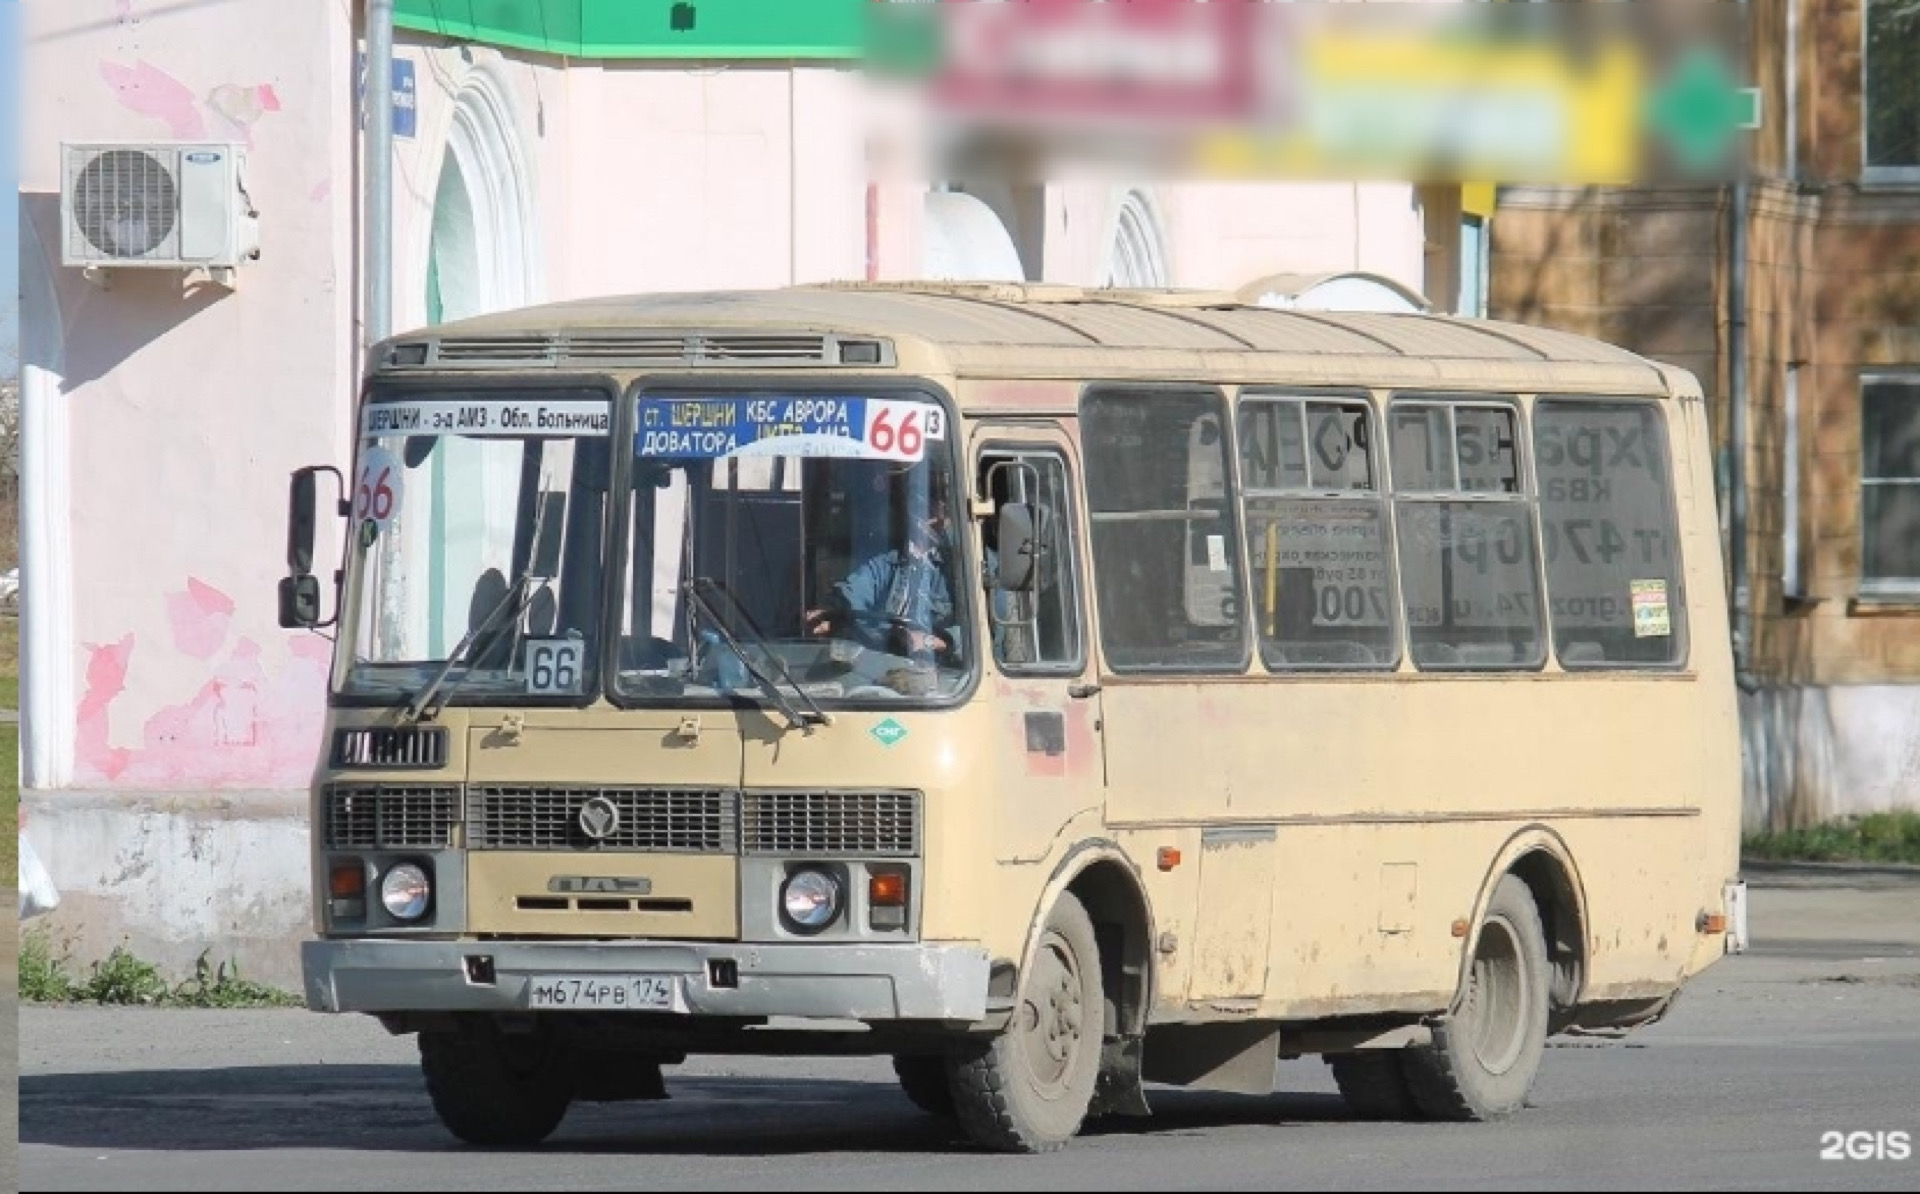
pixel 1119 1091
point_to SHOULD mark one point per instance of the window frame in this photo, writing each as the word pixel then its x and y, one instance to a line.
pixel 1678 597
pixel 1149 391
pixel 1381 494
pixel 1015 450
pixel 1895 590
pixel 1897 176
pixel 1527 497
pixel 620 563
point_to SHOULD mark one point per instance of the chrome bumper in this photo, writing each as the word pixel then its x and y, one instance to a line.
pixel 841 982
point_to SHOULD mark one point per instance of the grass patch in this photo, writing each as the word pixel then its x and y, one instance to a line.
pixel 128 981
pixel 10 801
pixel 9 662
pixel 10 749
pixel 1876 837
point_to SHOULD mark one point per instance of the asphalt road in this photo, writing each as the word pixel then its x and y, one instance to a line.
pixel 1816 1031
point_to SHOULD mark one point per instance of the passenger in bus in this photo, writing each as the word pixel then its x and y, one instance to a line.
pixel 907 586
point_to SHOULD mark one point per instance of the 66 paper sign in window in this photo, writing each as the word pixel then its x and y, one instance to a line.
pixel 813 425
pixel 555 666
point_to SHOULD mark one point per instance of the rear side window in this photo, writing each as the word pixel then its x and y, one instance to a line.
pixel 1606 515
pixel 1165 559
pixel 1316 519
pixel 1468 558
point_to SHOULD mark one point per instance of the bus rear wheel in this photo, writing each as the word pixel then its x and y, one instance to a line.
pixel 1484 1056
pixel 494 1089
pixel 1027 1090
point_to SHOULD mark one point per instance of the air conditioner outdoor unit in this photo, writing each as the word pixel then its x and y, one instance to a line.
pixel 157 205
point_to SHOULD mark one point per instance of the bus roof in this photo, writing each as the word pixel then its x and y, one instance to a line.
pixel 1006 330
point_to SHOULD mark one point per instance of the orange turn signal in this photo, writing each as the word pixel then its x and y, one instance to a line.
pixel 887 890
pixel 1712 923
pixel 1167 859
pixel 349 881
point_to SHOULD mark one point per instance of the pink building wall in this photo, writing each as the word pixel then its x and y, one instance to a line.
pixel 174 724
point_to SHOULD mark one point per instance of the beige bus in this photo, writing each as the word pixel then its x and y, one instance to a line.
pixel 1056 691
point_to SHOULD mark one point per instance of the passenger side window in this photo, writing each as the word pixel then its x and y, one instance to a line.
pixel 1316 521
pixel 1037 630
pixel 1606 514
pixel 1465 527
pixel 1165 560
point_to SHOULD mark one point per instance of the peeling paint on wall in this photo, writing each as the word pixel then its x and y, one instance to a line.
pixel 1812 754
pixel 228 114
pixel 248 724
pixel 201 616
pixel 150 91
pixel 237 108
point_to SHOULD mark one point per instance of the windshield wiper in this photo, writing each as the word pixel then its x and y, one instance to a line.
pixel 516 597
pixel 814 715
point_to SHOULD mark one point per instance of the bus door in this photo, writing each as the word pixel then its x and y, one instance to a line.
pixel 1049 757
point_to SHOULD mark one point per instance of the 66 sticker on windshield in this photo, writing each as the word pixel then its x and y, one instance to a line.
pixel 813 426
pixel 554 666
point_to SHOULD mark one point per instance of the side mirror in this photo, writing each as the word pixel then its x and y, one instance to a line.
pixel 300 591
pixel 302 513
pixel 300 602
pixel 1015 533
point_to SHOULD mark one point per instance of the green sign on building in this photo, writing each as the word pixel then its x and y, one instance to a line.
pixel 633 29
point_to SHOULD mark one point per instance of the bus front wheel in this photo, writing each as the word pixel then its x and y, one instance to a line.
pixel 1484 1056
pixel 494 1089
pixel 1027 1090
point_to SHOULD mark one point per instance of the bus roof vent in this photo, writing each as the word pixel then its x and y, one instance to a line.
pixel 604 349
pixel 504 351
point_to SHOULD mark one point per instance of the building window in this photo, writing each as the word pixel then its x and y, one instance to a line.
pixel 1892 93
pixel 1793 560
pixel 1475 263
pixel 1890 486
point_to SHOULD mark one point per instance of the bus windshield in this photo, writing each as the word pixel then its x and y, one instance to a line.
pixel 811 538
pixel 477 523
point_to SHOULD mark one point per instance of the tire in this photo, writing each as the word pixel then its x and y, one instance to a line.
pixel 495 1090
pixel 925 1082
pixel 1027 1090
pixel 1374 1084
pixel 1484 1056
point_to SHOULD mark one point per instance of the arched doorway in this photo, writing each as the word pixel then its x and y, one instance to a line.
pixel 1138 258
pixel 482 256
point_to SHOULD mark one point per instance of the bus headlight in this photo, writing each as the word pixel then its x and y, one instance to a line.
pixel 811 900
pixel 406 891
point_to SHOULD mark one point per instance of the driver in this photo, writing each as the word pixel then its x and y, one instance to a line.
pixel 908 585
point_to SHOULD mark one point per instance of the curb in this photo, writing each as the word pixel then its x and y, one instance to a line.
pixel 1828 874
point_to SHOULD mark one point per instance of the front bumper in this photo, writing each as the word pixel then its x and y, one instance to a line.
pixel 841 982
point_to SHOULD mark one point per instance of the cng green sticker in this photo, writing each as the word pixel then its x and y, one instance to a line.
pixel 889 733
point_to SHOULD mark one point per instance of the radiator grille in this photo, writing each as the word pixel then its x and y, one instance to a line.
pixel 885 825
pixel 391 816
pixel 415 746
pixel 655 820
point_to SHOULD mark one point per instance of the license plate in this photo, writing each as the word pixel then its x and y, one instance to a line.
pixel 579 992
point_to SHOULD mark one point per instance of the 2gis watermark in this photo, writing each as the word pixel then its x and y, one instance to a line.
pixel 1866 1146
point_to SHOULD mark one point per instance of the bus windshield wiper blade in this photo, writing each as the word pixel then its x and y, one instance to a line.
pixel 815 715
pixel 515 598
